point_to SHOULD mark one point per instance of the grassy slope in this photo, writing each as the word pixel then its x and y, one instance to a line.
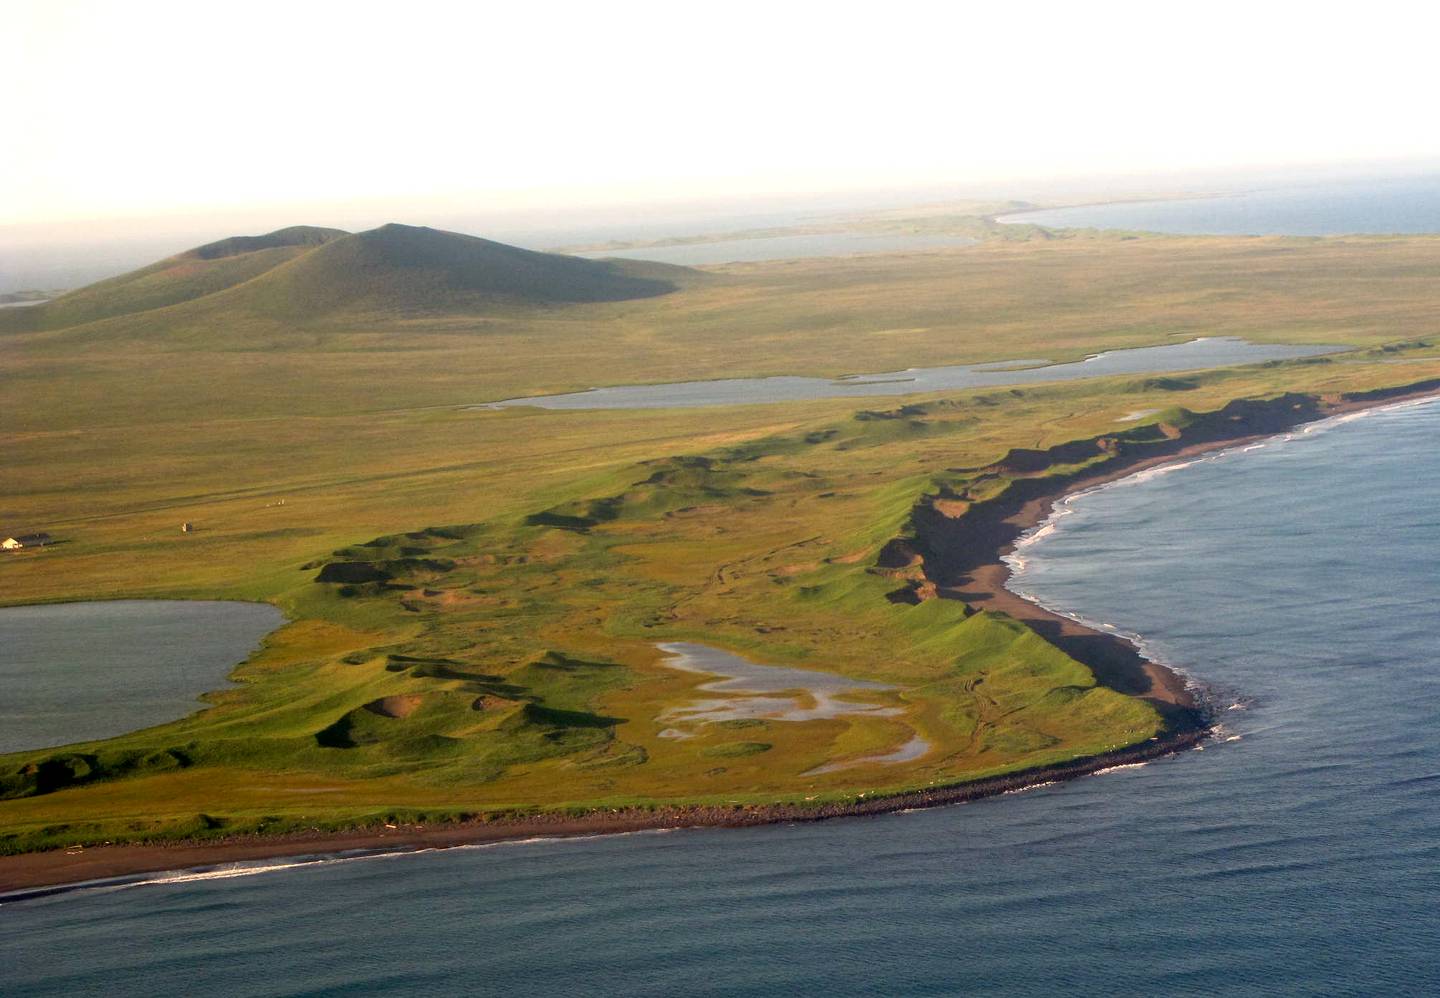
pixel 990 302
pixel 766 550
pixel 303 277
pixel 401 270
pixel 184 277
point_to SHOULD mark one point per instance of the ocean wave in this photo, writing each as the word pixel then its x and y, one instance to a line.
pixel 1031 786
pixel 1045 529
pixel 231 871
pixel 1321 426
pixel 255 868
pixel 1150 474
pixel 1116 769
pixel 1035 534
pixel 226 871
pixel 1064 506
pixel 1144 646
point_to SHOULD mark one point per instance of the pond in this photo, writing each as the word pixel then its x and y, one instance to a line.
pixel 75 672
pixel 746 690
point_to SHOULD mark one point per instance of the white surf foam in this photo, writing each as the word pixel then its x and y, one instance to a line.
pixel 1063 507
pixel 231 871
pixel 1029 787
pixel 1116 769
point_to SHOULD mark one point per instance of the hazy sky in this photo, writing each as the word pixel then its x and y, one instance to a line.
pixel 139 108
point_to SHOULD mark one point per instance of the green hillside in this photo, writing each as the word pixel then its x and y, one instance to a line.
pixel 302 236
pixel 302 274
pixel 184 277
pixel 409 269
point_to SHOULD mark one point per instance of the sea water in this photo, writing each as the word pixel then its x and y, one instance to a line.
pixel 1297 854
pixel 1374 205
pixel 784 248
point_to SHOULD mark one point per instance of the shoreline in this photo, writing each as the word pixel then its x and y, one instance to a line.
pixel 31 876
pixel 969 557
pixel 964 557
pixel 1018 217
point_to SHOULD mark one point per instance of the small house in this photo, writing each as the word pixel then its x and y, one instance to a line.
pixel 25 541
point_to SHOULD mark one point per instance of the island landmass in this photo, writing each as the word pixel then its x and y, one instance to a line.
pixel 494 674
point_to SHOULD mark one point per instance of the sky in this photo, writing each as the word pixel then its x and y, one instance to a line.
pixel 151 109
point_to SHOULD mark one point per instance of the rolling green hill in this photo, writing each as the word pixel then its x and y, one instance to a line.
pixel 302 274
pixel 184 277
pixel 303 236
pixel 415 270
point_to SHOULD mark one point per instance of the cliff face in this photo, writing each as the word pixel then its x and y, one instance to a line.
pixel 959 537
pixel 950 546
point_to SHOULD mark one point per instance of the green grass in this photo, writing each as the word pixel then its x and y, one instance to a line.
pixel 195 274
pixel 529 560
pixel 299 276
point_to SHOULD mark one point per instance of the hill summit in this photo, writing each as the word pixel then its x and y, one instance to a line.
pixel 306 273
pixel 410 268
pixel 295 235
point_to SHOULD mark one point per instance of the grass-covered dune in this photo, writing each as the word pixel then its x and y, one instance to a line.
pixel 475 596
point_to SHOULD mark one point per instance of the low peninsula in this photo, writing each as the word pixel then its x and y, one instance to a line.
pixel 476 599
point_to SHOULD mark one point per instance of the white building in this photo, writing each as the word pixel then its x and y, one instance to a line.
pixel 25 541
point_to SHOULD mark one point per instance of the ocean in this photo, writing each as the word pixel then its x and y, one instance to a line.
pixel 1296 854
pixel 1385 205
pixel 783 248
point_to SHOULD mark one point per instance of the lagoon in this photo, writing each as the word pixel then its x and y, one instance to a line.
pixel 1198 354
pixel 73 672
pixel 824 244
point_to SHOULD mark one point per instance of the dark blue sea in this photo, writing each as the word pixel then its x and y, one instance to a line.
pixel 1297 854
pixel 1385 205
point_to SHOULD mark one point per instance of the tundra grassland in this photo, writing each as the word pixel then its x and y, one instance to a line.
pixel 474 596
